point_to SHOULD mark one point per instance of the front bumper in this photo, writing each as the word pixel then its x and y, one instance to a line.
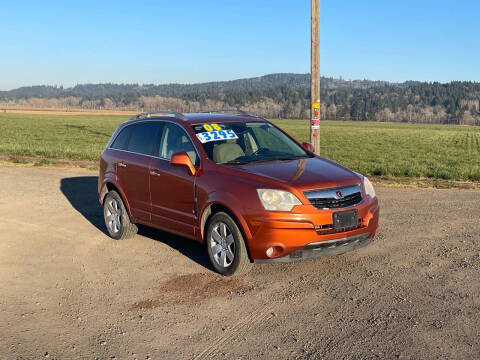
pixel 302 235
pixel 324 248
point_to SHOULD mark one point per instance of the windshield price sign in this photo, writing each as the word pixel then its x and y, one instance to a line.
pixel 215 133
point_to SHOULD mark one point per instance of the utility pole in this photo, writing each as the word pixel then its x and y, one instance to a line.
pixel 315 77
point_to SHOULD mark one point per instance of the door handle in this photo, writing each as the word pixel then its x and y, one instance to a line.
pixel 154 173
pixel 122 164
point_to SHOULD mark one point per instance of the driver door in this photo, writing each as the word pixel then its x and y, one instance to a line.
pixel 172 187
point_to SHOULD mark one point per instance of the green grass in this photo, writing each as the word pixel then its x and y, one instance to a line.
pixel 411 150
pixel 75 137
pixel 433 151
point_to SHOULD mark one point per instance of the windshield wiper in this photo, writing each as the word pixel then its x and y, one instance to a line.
pixel 243 162
pixel 290 158
pixel 235 162
pixel 280 158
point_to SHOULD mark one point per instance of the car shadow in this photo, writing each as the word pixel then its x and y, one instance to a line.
pixel 82 194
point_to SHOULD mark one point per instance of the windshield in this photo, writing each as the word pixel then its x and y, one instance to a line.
pixel 245 142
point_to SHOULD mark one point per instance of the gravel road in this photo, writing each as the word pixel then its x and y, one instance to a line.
pixel 67 291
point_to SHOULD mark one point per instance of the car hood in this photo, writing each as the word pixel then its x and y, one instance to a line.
pixel 304 174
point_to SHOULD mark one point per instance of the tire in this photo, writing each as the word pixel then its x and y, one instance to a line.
pixel 226 246
pixel 117 220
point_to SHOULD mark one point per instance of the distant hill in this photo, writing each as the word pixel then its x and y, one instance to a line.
pixel 268 81
pixel 273 96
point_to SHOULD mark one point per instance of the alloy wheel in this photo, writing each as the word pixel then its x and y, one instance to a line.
pixel 222 244
pixel 114 216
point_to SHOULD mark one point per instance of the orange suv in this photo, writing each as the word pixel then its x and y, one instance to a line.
pixel 236 183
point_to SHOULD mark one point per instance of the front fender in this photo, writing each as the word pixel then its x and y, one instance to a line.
pixel 225 200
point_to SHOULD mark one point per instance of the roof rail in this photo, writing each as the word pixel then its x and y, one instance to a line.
pixel 237 111
pixel 147 115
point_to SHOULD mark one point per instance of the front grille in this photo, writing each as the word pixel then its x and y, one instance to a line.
pixel 336 198
pixel 331 203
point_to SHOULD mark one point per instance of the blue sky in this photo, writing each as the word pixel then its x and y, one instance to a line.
pixel 70 42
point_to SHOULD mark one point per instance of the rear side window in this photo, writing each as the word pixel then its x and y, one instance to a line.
pixel 120 142
pixel 144 138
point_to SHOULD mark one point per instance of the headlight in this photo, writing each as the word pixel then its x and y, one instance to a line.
pixel 367 185
pixel 277 200
pixel 369 190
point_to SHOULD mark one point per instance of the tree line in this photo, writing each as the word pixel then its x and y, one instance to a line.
pixel 273 96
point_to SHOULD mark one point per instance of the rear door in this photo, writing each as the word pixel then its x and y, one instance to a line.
pixel 133 169
pixel 116 153
pixel 172 187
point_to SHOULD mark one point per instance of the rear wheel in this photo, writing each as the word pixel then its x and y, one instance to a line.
pixel 116 217
pixel 226 246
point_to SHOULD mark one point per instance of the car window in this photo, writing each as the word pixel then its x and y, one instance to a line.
pixel 174 140
pixel 272 139
pixel 121 140
pixel 143 138
pixel 245 142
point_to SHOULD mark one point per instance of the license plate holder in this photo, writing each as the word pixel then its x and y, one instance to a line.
pixel 345 219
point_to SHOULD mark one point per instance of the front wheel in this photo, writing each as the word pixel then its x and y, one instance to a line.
pixel 116 217
pixel 226 246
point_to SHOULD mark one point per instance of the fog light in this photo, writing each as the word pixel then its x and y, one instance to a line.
pixel 270 251
pixel 274 251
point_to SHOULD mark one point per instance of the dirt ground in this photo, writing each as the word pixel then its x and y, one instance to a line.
pixel 67 291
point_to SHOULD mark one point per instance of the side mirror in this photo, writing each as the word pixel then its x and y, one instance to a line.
pixel 307 146
pixel 182 159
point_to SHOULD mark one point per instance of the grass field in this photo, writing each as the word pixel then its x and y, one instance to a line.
pixel 432 151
